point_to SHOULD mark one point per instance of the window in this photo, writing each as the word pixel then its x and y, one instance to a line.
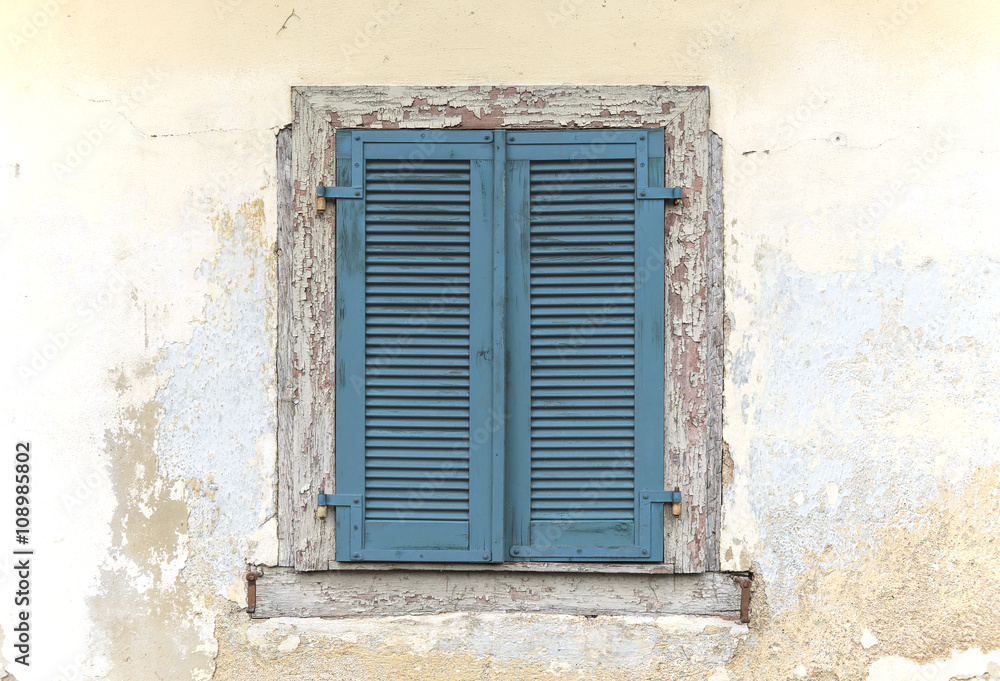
pixel 492 282
pixel 497 367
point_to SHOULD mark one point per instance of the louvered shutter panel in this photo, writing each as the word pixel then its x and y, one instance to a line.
pixel 585 332
pixel 417 440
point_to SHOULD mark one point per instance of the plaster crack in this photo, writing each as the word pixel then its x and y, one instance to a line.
pixel 209 130
pixel 117 108
pixel 285 25
pixel 802 141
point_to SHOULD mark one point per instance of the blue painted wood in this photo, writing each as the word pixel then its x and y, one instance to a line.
pixel 649 344
pixel 350 324
pixel 517 498
pixel 415 342
pixel 585 332
pixel 497 424
pixel 435 350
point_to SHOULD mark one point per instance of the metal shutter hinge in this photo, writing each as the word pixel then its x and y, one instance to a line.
pixel 655 193
pixel 323 193
pixel 325 500
pixel 672 498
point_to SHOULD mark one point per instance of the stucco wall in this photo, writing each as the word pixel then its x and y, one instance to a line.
pixel 137 180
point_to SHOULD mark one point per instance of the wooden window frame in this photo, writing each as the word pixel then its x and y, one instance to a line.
pixel 693 309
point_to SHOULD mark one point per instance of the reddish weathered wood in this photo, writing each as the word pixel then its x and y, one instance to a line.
pixel 682 112
pixel 715 354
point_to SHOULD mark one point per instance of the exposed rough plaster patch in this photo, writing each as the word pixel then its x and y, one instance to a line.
pixel 897 350
pixel 218 424
pixel 289 644
pixel 491 647
pixel 868 639
pixel 148 619
pixel 891 585
pixel 864 463
pixel 965 665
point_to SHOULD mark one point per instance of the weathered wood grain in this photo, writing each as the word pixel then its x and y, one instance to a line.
pixel 287 593
pixel 715 354
pixel 286 387
pixel 682 111
pixel 686 418
pixel 313 310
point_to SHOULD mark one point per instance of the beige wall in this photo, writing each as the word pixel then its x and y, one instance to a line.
pixel 137 184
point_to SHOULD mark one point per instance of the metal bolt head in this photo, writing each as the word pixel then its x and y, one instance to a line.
pixel 642 137
pixel 510 139
pixel 357 137
pixel 514 551
pixel 357 165
pixel 645 552
pixel 357 555
pixel 642 193
pixel 645 496
pixel 357 501
pixel 486 556
pixel 357 193
pixel 355 527
pixel 486 137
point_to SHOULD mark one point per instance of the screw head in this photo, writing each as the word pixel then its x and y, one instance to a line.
pixel 355 527
pixel 514 551
pixel 357 137
pixel 642 193
pixel 486 556
pixel 642 137
pixel 357 555
pixel 359 194
pixel 422 135
pixel 645 552
pixel 510 139
pixel 486 137
pixel 641 165
pixel 357 165
pixel 645 496
pixel 357 501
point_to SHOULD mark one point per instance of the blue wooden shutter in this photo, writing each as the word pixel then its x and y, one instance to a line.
pixel 418 435
pixel 585 336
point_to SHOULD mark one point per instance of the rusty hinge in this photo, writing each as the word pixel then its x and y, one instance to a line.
pixel 252 590
pixel 745 584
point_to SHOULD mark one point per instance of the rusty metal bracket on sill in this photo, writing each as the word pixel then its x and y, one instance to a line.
pixel 252 576
pixel 745 584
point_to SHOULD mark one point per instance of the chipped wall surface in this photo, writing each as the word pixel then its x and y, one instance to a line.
pixel 862 265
